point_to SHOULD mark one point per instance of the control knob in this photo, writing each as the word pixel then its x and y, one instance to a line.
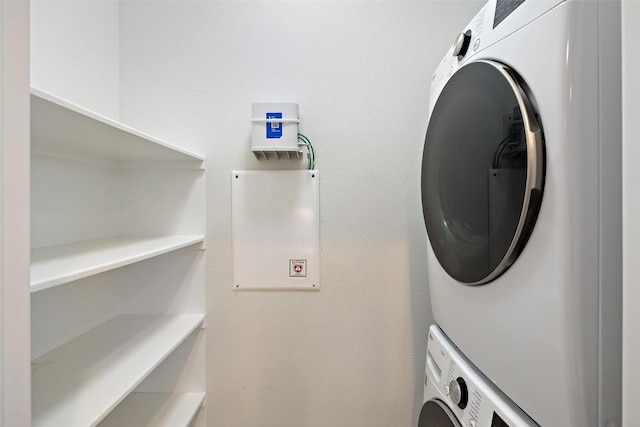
pixel 461 45
pixel 458 392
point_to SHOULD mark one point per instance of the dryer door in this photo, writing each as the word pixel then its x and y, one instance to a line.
pixel 434 413
pixel 482 172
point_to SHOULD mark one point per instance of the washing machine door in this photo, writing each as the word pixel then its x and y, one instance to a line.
pixel 435 413
pixel 482 171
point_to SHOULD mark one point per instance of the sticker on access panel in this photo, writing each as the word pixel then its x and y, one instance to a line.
pixel 297 268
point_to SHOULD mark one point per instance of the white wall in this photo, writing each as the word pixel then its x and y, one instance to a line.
pixel 74 52
pixel 631 207
pixel 15 366
pixel 353 353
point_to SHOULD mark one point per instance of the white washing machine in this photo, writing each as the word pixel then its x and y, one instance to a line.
pixel 521 188
pixel 456 394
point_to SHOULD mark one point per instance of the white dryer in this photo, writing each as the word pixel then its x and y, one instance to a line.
pixel 456 394
pixel 521 189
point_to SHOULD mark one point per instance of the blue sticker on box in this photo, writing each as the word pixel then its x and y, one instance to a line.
pixel 274 130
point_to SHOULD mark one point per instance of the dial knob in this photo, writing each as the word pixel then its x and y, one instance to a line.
pixel 458 392
pixel 461 45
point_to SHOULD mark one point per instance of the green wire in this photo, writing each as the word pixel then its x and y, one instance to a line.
pixel 309 156
pixel 312 151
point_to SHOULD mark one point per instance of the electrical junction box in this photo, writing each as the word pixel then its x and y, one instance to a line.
pixel 275 130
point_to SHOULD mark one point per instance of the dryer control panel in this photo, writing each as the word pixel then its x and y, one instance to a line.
pixel 496 20
pixel 471 397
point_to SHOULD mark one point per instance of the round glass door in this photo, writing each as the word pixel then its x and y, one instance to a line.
pixel 482 172
pixel 434 413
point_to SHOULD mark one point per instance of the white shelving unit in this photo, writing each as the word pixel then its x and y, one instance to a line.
pixel 155 410
pixel 117 272
pixel 56 265
pixel 79 383
pixel 69 130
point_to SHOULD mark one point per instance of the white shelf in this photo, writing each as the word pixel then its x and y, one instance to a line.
pixel 63 129
pixel 79 383
pixel 55 265
pixel 155 410
pixel 94 176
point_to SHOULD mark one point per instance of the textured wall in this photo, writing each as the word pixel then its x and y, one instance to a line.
pixel 351 354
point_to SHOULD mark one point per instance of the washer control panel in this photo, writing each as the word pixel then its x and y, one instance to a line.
pixel 458 392
pixel 473 398
pixel 472 401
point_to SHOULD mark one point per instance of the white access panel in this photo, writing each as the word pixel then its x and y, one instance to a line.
pixel 276 229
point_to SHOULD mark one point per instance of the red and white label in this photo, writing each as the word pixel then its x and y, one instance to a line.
pixel 297 268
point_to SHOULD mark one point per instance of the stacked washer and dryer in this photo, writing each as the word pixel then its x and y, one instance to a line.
pixel 521 189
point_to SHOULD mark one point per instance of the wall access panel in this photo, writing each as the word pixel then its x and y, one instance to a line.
pixel 276 229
